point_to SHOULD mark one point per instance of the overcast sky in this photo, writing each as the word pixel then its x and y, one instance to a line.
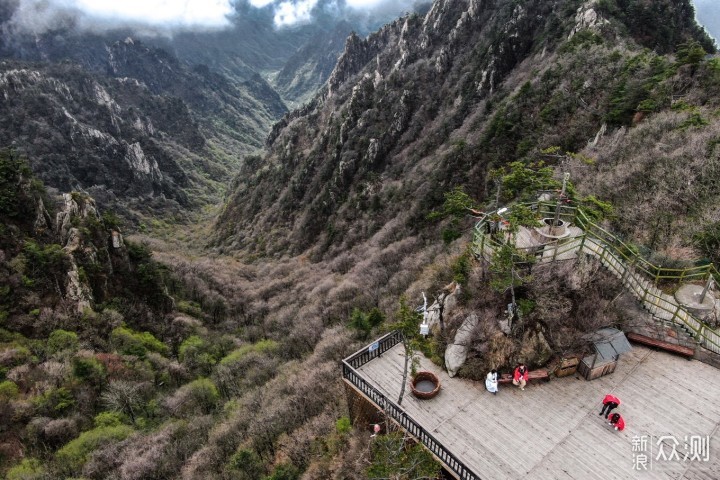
pixel 37 15
pixel 708 13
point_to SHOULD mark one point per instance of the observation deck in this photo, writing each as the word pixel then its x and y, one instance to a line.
pixel 552 430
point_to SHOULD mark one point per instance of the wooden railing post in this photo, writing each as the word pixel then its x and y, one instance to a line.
pixel 625 272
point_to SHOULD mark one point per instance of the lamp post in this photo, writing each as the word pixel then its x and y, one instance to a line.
pixel 556 220
pixel 424 327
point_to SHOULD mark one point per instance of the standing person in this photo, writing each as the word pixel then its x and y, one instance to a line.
pixel 610 402
pixel 491 382
pixel 617 421
pixel 520 377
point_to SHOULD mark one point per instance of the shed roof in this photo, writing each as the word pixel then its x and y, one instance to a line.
pixel 609 343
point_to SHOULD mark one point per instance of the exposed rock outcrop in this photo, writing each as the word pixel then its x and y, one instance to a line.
pixel 456 352
pixel 535 351
pixel 77 207
pixel 587 17
pixel 442 307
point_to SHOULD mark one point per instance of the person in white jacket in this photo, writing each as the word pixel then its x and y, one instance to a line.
pixel 491 381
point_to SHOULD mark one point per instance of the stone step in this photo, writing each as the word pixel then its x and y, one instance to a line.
pixel 679 327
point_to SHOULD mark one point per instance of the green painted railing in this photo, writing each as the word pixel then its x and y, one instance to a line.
pixel 638 274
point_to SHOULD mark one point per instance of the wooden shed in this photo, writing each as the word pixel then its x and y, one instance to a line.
pixel 608 343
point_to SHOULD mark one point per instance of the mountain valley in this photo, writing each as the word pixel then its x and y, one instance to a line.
pixel 194 234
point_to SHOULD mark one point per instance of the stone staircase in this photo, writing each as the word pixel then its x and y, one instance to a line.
pixel 664 308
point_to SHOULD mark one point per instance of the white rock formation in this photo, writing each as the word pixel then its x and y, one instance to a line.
pixel 456 353
pixel 445 302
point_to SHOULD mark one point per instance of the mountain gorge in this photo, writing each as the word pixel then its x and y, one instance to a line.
pixel 151 129
pixel 136 356
pixel 167 117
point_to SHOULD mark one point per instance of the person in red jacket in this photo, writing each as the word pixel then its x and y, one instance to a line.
pixel 610 402
pixel 617 421
pixel 520 376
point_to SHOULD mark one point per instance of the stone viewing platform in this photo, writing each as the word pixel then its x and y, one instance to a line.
pixel 552 429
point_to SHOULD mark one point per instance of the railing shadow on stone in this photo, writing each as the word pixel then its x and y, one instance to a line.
pixel 638 274
pixel 394 411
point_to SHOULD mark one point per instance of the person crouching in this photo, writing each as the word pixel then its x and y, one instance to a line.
pixel 520 376
pixel 616 420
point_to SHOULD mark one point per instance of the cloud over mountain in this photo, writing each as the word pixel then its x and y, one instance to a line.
pixel 37 16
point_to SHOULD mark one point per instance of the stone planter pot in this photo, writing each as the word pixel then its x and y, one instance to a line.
pixel 425 385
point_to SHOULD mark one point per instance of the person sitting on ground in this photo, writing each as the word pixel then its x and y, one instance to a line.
pixel 520 377
pixel 617 421
pixel 491 381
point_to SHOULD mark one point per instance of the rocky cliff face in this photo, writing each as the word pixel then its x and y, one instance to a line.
pixel 82 131
pixel 79 209
pixel 307 70
pixel 57 253
pixel 144 132
pixel 429 103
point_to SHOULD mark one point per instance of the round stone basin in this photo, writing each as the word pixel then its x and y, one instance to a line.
pixel 425 385
pixel 553 230
pixel 690 296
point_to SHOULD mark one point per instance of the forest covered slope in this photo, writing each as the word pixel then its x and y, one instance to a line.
pixel 429 104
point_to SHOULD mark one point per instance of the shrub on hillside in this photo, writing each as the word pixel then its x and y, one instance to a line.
pixel 393 455
pixel 364 322
pixel 127 397
pixel 284 471
pixel 246 464
pixel 54 401
pixel 59 431
pixel 28 469
pixel 90 370
pixel 202 353
pixel 129 342
pixel 8 390
pixel 198 396
pixel 62 340
pixel 73 456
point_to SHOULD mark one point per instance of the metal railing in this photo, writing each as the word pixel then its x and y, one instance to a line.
pixel 630 255
pixel 638 274
pixel 394 411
